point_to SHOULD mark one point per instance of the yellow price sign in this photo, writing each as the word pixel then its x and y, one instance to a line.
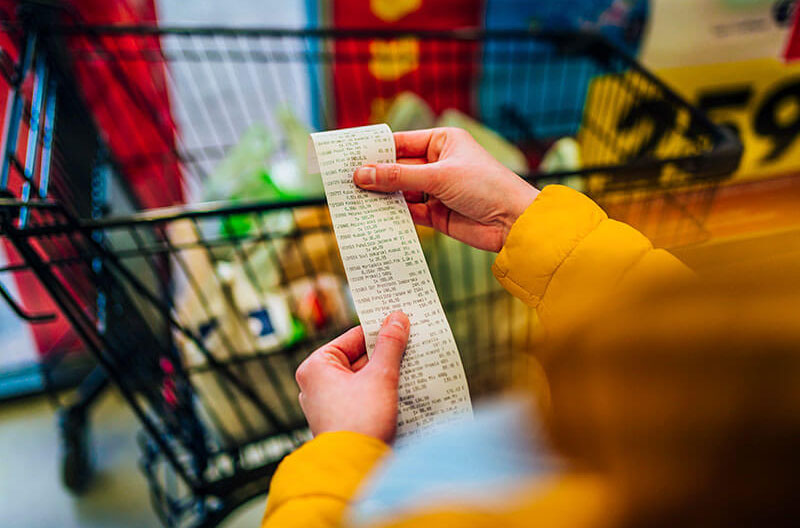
pixel 627 118
pixel 759 99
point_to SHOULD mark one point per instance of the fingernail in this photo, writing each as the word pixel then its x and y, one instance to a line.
pixel 399 320
pixel 365 176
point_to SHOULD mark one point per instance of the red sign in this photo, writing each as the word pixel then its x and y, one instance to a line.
pixel 369 73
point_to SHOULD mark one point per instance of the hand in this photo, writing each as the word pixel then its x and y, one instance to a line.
pixel 341 391
pixel 473 198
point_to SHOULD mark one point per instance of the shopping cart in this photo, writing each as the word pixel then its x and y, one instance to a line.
pixel 199 314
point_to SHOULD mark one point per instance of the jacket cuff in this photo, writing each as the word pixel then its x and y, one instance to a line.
pixel 331 465
pixel 541 238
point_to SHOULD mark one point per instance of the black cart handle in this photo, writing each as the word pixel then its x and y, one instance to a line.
pixel 21 312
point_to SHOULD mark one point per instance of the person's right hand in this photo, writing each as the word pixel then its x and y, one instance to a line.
pixel 471 196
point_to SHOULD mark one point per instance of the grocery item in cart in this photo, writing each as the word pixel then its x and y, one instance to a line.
pixel 244 172
pixel 269 295
pixel 409 112
pixel 290 165
pixel 495 144
pixel 563 156
pixel 246 327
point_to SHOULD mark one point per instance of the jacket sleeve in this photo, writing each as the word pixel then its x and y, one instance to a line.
pixel 564 256
pixel 313 485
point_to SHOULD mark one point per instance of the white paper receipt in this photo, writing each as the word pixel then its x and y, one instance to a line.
pixel 387 271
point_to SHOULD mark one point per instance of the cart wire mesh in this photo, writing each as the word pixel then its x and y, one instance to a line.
pixel 648 156
pixel 200 314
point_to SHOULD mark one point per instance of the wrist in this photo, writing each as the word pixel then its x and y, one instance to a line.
pixel 362 436
pixel 382 435
pixel 517 204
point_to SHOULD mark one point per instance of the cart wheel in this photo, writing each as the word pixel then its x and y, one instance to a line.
pixel 76 467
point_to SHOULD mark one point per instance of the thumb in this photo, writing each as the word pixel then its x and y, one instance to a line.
pixel 390 345
pixel 390 177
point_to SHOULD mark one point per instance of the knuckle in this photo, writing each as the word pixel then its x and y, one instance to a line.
pixel 394 338
pixel 462 136
pixel 390 375
pixel 301 374
pixel 393 175
pixel 455 132
pixel 438 141
pixel 434 180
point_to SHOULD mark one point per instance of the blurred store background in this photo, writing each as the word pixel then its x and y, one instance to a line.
pixel 733 59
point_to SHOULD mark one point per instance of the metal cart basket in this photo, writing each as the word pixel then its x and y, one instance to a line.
pixel 200 314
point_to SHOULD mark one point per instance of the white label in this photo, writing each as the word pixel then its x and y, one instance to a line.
pixel 387 271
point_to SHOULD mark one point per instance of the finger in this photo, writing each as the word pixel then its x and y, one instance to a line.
pixel 350 344
pixel 420 213
pixel 390 177
pixel 439 215
pixel 433 213
pixel 489 238
pixel 412 161
pixel 415 196
pixel 358 364
pixel 390 345
pixel 321 366
pixel 463 229
pixel 331 359
pixel 413 143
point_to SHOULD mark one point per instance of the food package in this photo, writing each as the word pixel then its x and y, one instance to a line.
pixel 409 111
pixel 564 155
pixel 244 172
pixel 248 307
pixel 289 167
pixel 503 150
pixel 246 331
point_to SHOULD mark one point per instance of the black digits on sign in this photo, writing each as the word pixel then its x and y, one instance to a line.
pixel 766 122
pixel 726 97
pixel 661 116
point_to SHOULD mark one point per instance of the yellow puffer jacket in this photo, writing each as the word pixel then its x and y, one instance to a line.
pixel 563 256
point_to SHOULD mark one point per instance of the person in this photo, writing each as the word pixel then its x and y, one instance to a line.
pixel 671 399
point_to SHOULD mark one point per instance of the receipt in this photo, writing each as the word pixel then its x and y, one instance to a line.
pixel 387 271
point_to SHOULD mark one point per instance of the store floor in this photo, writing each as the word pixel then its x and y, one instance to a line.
pixel 31 493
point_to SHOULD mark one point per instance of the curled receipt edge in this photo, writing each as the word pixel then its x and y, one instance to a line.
pixel 386 270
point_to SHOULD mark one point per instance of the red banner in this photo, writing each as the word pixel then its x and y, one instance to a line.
pixel 123 81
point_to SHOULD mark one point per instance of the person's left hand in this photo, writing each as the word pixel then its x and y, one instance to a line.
pixel 340 390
